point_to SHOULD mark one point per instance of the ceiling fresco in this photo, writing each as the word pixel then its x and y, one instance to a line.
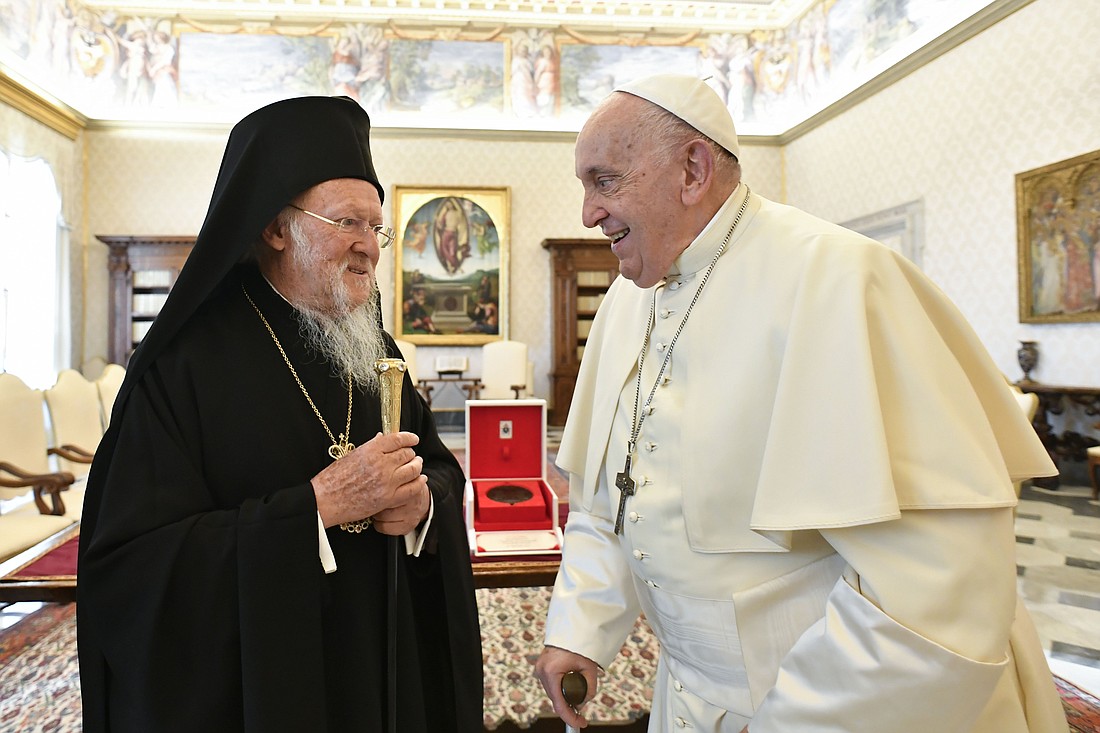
pixel 538 65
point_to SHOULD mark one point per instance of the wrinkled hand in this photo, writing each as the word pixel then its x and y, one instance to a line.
pixel 551 666
pixel 381 479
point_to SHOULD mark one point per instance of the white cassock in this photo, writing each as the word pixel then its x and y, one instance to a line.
pixel 822 535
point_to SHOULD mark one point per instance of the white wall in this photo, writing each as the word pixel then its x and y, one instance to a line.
pixel 143 184
pixel 954 133
pixel 1022 94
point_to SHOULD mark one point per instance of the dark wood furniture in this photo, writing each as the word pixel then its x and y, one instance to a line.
pixel 518 572
pixel 142 270
pixel 16 585
pixel 581 272
pixel 1068 445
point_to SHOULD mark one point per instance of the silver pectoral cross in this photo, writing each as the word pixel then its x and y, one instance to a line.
pixel 626 487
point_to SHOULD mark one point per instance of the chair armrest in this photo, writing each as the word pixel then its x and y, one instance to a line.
pixel 73 453
pixel 425 391
pixel 42 484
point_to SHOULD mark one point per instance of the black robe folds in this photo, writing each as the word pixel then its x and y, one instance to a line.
pixel 202 603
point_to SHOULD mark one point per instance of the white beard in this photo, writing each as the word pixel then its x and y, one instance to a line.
pixel 350 338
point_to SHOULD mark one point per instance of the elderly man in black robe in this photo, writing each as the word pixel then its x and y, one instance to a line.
pixel 256 555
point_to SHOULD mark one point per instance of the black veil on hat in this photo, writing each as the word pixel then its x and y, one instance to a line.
pixel 272 155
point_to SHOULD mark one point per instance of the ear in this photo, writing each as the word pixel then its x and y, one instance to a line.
pixel 275 235
pixel 698 172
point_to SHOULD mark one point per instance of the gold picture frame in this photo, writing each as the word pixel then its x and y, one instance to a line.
pixel 1058 232
pixel 451 264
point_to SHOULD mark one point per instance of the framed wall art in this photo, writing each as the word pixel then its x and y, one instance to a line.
pixel 451 264
pixel 1058 232
pixel 901 228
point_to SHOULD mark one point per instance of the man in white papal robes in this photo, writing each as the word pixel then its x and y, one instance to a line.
pixel 788 449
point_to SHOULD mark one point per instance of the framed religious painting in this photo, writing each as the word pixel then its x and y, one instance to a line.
pixel 1058 232
pixel 451 265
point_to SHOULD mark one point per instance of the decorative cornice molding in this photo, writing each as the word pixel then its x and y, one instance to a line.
pixel 714 15
pixel 39 106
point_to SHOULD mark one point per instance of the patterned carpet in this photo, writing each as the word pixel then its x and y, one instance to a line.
pixel 40 686
pixel 1082 709
pixel 512 629
pixel 39 679
pixel 40 682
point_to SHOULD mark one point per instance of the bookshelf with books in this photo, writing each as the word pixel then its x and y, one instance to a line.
pixel 581 272
pixel 141 271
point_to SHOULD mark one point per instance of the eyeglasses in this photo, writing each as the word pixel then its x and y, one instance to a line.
pixel 384 234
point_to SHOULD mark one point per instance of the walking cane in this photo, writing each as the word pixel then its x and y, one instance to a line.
pixel 574 688
pixel 391 373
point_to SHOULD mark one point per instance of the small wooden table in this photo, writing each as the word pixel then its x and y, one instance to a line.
pixel 515 572
pixel 22 577
pixel 19 583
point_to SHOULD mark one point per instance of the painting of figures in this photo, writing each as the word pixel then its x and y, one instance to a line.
pixel 1058 228
pixel 109 63
pixel 451 265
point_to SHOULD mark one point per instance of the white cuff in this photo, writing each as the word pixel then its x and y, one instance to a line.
pixel 414 542
pixel 324 549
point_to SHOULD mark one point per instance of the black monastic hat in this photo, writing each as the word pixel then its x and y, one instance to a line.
pixel 272 155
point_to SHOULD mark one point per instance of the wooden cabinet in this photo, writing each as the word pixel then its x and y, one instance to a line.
pixel 582 271
pixel 142 270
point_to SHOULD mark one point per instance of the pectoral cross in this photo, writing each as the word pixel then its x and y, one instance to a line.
pixel 340 448
pixel 627 487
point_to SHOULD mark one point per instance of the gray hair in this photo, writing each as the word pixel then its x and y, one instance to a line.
pixel 669 132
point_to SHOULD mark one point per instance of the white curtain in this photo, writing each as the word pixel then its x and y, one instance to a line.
pixel 34 298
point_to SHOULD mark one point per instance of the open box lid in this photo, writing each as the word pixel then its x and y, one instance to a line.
pixel 505 438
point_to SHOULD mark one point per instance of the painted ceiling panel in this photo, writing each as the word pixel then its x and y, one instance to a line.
pixel 516 65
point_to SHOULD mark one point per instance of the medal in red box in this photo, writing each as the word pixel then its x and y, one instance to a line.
pixel 510 507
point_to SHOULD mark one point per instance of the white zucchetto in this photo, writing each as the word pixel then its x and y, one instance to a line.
pixel 690 99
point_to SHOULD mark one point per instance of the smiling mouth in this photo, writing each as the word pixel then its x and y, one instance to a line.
pixel 618 236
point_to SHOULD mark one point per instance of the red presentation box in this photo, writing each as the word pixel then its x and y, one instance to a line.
pixel 510 508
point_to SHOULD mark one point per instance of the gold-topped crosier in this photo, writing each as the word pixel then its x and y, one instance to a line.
pixel 391 373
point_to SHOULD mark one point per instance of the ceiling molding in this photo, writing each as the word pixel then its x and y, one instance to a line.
pixel 39 106
pixel 612 15
pixel 177 130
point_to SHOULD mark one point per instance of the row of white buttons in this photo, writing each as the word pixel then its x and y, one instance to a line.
pixel 680 722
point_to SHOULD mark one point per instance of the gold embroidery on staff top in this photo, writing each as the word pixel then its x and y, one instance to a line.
pixel 340 446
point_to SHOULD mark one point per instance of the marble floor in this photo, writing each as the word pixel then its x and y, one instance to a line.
pixel 1057 560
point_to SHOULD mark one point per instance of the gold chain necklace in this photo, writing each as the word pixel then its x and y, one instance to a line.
pixel 340 446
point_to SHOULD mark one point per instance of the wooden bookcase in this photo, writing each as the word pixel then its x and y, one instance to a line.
pixel 141 270
pixel 582 271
